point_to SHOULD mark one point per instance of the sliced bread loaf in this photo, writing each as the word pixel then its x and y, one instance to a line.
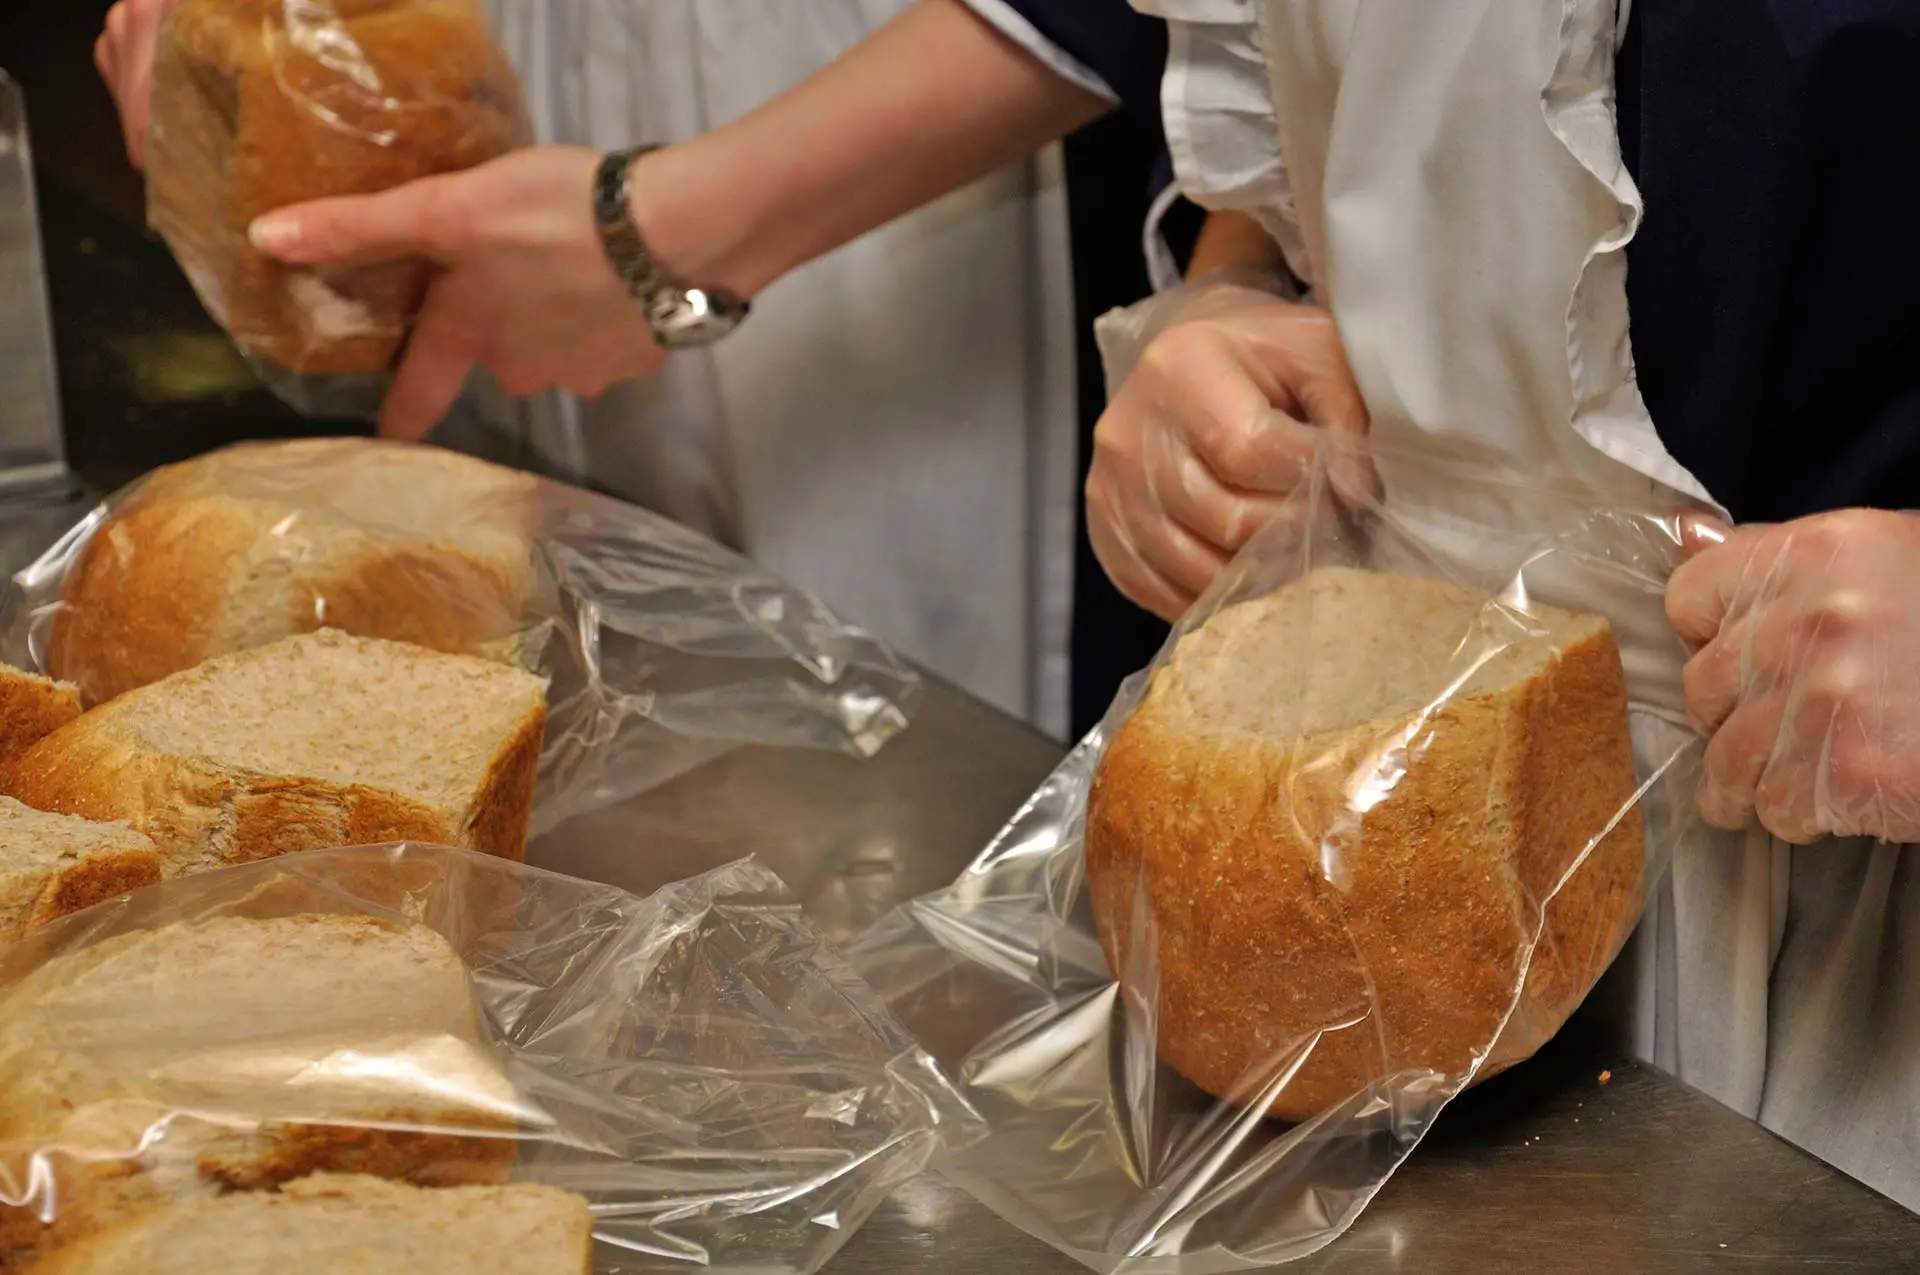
pixel 54 865
pixel 239 1054
pixel 244 546
pixel 31 708
pixel 345 1225
pixel 317 740
pixel 1332 824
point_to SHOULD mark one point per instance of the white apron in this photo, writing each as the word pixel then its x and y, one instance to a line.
pixel 893 428
pixel 1447 176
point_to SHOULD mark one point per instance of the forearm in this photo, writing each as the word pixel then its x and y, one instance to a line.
pixel 1233 239
pixel 931 102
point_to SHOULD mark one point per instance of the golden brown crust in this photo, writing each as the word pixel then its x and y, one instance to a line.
pixel 148 593
pixel 31 708
pixel 94 879
pixel 89 1196
pixel 202 815
pixel 1220 852
pixel 248 120
pixel 1577 712
pixel 505 808
pixel 398 1154
pixel 86 1197
pixel 185 569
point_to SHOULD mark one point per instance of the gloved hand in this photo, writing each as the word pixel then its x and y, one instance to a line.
pixel 1806 673
pixel 124 56
pixel 1194 453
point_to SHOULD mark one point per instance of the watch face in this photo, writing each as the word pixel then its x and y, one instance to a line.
pixel 696 317
pixel 681 317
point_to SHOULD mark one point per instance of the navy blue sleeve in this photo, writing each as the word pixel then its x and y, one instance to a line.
pixel 1125 48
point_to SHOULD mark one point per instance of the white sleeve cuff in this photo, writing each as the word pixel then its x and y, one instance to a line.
pixel 1010 22
pixel 1162 270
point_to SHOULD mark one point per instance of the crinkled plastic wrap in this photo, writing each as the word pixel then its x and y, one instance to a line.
pixel 258 104
pixel 662 650
pixel 1367 832
pixel 698 1064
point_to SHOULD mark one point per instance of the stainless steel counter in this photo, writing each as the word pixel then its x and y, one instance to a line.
pixel 1543 1170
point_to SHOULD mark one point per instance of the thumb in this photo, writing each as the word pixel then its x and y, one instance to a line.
pixel 410 220
pixel 1333 401
pixel 1701 532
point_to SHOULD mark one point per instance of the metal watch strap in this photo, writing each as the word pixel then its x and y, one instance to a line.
pixel 681 315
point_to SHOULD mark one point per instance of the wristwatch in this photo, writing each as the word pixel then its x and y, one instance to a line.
pixel 682 316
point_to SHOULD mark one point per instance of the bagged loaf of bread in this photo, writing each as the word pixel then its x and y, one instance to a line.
pixel 258 104
pixel 434 1018
pixel 1344 878
pixel 176 1063
pixel 250 544
pixel 661 649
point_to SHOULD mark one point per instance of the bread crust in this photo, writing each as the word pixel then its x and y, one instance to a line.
pixel 1396 945
pixel 79 886
pixel 230 551
pixel 203 815
pixel 31 708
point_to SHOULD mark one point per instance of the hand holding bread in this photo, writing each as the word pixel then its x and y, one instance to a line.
pixel 1200 446
pixel 239 107
pixel 524 286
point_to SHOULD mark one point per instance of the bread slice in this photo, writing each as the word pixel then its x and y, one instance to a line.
pixel 258 104
pixel 236 1053
pixel 253 543
pixel 31 708
pixel 54 865
pixel 344 1225
pixel 318 740
pixel 1340 809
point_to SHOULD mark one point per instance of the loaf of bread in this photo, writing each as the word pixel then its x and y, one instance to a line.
pixel 314 741
pixel 31 708
pixel 54 865
pixel 333 1224
pixel 177 1063
pixel 1331 825
pixel 244 546
pixel 258 104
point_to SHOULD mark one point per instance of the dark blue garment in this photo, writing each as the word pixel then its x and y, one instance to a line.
pixel 1114 168
pixel 1775 283
pixel 1126 49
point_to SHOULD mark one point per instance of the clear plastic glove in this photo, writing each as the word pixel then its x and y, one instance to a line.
pixel 1192 457
pixel 525 287
pixel 124 57
pixel 1806 673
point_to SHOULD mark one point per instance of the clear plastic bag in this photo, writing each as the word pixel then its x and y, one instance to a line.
pixel 1369 829
pixel 258 104
pixel 662 650
pixel 698 1064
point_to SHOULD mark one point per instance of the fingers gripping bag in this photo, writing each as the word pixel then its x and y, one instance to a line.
pixel 1367 832
pixel 661 650
pixel 258 104
pixel 337 1059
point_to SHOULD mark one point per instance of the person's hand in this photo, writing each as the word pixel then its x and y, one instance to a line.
pixel 1195 453
pixel 525 288
pixel 124 56
pixel 1806 673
